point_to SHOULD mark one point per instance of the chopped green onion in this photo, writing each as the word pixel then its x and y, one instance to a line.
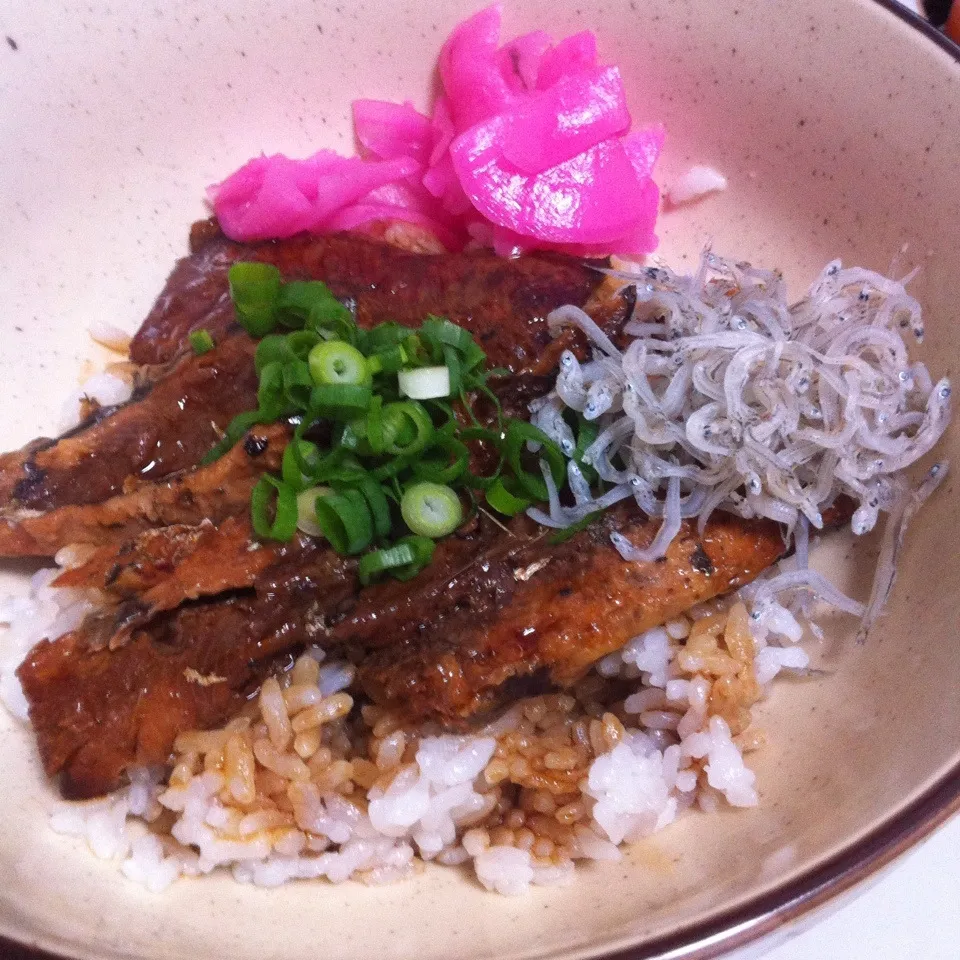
pixel 374 425
pixel 388 360
pixel 340 401
pixel 423 548
pixel 442 331
pixel 299 298
pixel 307 510
pixel 504 501
pixel 431 509
pixel 273 348
pixel 482 434
pixel 345 521
pixel 380 448
pixel 297 455
pixel 338 363
pixel 271 396
pixel 338 466
pixel 519 432
pixel 301 342
pixel 405 559
pixel 255 290
pixel 332 317
pixel 353 436
pixel 447 469
pixel 238 426
pixel 271 492
pixel 380 561
pixel 297 384
pixel 391 468
pixel 386 335
pixel 426 383
pixel 454 368
pixel 201 341
pixel 407 428
pixel 377 502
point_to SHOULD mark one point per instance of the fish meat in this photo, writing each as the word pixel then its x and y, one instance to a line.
pixel 503 303
pixel 212 492
pixel 495 606
pixel 170 423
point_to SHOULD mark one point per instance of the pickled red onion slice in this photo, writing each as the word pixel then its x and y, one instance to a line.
pixel 575 114
pixel 275 196
pixel 391 130
pixel 593 198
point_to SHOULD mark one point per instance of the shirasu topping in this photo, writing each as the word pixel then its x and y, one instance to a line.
pixel 728 397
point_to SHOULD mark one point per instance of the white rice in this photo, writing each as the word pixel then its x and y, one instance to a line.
pixel 697 182
pixel 106 389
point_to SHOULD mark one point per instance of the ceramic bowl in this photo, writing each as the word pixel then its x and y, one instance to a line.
pixel 837 123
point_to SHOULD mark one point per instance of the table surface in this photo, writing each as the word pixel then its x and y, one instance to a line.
pixel 912 912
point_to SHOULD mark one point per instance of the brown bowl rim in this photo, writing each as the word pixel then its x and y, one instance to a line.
pixel 742 925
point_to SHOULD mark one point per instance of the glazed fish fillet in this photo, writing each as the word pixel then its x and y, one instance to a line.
pixel 494 608
pixel 503 303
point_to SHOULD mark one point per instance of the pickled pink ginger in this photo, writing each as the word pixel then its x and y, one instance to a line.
pixel 528 146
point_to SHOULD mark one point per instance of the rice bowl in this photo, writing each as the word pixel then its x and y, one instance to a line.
pixel 794 698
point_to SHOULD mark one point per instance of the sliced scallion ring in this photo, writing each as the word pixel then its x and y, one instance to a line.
pixel 422 548
pixel 504 501
pixel 388 360
pixel 307 510
pixel 407 428
pixel 391 468
pixel 297 384
pixel 271 398
pixel 405 559
pixel 255 290
pixel 301 342
pixel 446 469
pixel 274 348
pixel 431 509
pixel 299 452
pixel 426 383
pixel 380 561
pixel 377 502
pixel 298 298
pixel 273 495
pixel 340 401
pixel 518 433
pixel 454 368
pixel 495 440
pixel 200 341
pixel 345 520
pixel 337 363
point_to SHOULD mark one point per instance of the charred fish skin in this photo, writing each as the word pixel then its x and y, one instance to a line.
pixel 503 303
pixel 570 606
pixel 163 429
pixel 168 428
pixel 496 611
pixel 97 711
pixel 212 492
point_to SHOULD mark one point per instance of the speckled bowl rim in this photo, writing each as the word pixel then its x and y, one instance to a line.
pixel 745 924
